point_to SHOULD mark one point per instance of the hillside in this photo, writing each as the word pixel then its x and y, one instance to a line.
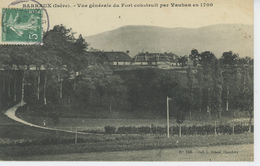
pixel 215 38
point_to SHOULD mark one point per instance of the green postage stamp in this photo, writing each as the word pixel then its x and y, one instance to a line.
pixel 21 26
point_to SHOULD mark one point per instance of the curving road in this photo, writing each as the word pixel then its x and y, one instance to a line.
pixel 11 114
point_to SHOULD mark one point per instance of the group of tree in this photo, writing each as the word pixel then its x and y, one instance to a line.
pixel 220 84
pixel 58 69
pixel 216 85
pixel 66 70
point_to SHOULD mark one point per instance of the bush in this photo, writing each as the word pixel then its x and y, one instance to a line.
pixel 110 130
pixel 127 130
pixel 174 130
pixel 55 118
pixel 191 130
pixel 144 130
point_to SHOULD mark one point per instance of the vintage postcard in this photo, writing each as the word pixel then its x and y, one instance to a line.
pixel 127 80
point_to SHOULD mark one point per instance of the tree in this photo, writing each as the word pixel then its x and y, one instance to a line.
pixel 52 89
pixel 229 61
pixel 207 60
pixel 245 96
pixel 180 117
pixel 81 57
pixel 217 89
pixel 167 82
pixel 183 60
pixel 190 86
pixel 18 58
pixel 199 78
pixel 104 81
pixel 51 65
pixel 84 87
pixel 183 102
pixel 60 50
pixel 134 90
pixel 115 88
pixel 97 57
pixel 68 52
pixel 64 45
pixel 30 94
pixel 5 58
pixel 38 62
pixel 244 61
pixel 194 56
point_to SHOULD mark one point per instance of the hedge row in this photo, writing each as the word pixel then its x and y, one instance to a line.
pixel 174 130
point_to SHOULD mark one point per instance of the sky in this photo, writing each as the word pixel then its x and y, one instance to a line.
pixel 89 21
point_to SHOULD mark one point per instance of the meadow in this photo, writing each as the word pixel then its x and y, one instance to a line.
pixel 244 153
pixel 94 120
pixel 19 140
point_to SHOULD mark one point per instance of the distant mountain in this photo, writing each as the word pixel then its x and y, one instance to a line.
pixel 219 38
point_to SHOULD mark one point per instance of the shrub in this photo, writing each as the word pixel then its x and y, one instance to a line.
pixel 144 130
pixel 127 130
pixel 55 117
pixel 110 130
pixel 174 130
pixel 191 130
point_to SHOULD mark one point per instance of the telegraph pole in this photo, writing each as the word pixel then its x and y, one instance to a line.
pixel 168 118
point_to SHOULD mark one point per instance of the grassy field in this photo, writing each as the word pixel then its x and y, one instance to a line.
pixel 98 119
pixel 146 143
pixel 211 153
pixel 18 140
pixel 100 123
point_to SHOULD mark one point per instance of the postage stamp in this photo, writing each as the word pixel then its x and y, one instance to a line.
pixel 22 26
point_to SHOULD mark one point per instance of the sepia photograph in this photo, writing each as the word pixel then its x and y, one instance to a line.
pixel 127 80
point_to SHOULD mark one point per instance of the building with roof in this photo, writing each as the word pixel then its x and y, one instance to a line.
pixel 110 57
pixel 118 57
pixel 156 59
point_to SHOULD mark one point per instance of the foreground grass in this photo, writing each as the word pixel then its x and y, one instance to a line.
pixel 126 144
pixel 244 153
pixel 17 139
